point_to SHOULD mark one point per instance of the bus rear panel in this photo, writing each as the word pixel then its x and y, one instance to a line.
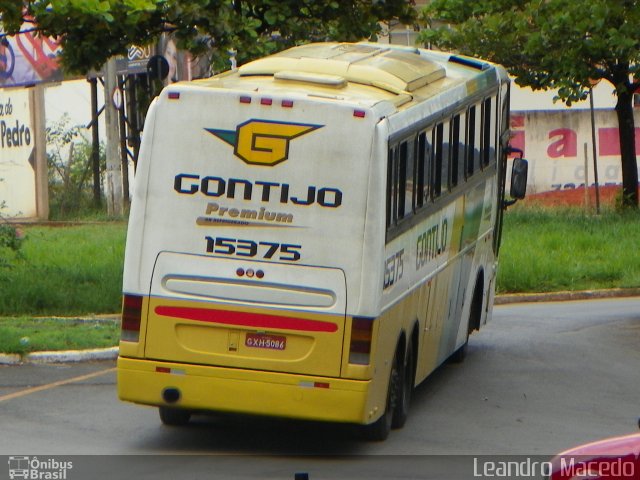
pixel 245 242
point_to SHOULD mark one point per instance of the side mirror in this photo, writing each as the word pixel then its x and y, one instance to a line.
pixel 519 172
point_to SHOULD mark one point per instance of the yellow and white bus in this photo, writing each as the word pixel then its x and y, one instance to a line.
pixel 313 233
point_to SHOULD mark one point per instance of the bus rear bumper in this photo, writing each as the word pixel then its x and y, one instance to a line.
pixel 208 388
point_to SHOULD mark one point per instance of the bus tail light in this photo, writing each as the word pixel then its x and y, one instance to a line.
pixel 361 336
pixel 131 318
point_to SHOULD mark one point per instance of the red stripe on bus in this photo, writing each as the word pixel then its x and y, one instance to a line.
pixel 244 319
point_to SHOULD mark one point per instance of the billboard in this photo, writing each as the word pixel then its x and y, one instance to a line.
pixel 557 143
pixel 28 58
pixel 17 159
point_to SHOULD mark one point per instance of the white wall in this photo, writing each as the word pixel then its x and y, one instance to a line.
pixel 524 98
pixel 74 98
pixel 17 160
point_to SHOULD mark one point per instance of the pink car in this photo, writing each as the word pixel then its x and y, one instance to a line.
pixel 615 458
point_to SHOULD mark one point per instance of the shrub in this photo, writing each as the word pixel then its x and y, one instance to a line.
pixel 70 171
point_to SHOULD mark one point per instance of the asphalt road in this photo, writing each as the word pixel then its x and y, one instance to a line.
pixel 538 379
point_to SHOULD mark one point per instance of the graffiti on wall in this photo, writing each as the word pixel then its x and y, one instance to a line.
pixel 28 58
pixel 559 147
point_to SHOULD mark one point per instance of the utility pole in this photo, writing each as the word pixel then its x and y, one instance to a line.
pixel 95 143
pixel 113 188
pixel 40 151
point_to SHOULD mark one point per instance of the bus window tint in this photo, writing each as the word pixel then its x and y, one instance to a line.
pixel 493 126
pixel 402 179
pixel 408 159
pixel 488 133
pixel 391 187
pixel 457 149
pixel 436 184
pixel 471 119
pixel 423 167
pixel 443 150
pixel 474 136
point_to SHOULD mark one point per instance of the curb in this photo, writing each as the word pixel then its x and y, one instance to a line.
pixel 566 296
pixel 64 356
pixel 98 354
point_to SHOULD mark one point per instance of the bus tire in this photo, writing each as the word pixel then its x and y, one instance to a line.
pixel 174 416
pixel 461 353
pixel 475 314
pixel 379 430
pixel 405 388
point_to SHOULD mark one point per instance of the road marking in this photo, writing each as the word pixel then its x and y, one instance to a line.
pixel 48 386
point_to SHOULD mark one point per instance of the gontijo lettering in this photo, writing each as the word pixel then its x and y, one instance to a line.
pixel 431 243
pixel 190 184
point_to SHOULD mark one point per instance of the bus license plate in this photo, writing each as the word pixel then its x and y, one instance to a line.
pixel 270 342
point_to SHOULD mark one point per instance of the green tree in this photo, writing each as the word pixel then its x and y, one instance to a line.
pixel 547 44
pixel 93 30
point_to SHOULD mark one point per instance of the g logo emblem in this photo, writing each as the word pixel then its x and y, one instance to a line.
pixel 263 142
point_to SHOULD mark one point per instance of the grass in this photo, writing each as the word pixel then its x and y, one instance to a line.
pixel 23 335
pixel 545 250
pixel 77 271
pixel 65 271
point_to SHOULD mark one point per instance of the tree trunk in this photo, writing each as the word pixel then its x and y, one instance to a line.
pixel 626 125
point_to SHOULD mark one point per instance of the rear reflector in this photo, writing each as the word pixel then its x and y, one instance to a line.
pixel 131 317
pixel 314 384
pixel 359 113
pixel 287 103
pixel 361 336
pixel 258 321
pixel 245 99
pixel 174 95
pixel 172 371
pixel 266 101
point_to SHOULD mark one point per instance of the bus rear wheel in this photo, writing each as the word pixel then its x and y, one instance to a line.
pixel 404 390
pixel 174 416
pixel 380 429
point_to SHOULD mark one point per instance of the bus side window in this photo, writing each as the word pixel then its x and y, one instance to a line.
pixel 436 179
pixel 446 157
pixel 392 175
pixel 495 137
pixel 471 118
pixel 488 133
pixel 474 139
pixel 457 149
pixel 401 179
pixel 406 177
pixel 440 179
pixel 424 154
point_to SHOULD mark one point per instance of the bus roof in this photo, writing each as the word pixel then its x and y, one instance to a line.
pixel 393 70
pixel 362 73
